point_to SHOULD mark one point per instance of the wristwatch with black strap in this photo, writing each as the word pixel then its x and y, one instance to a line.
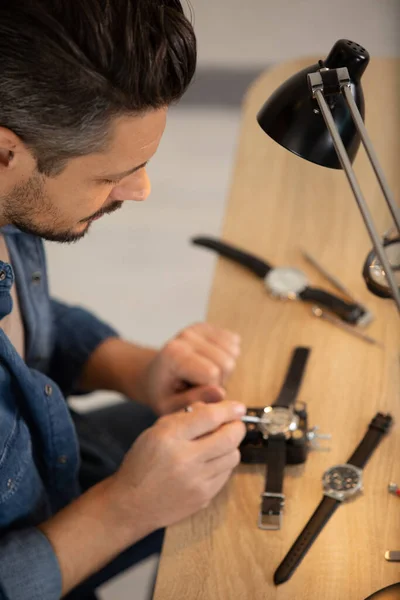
pixel 286 282
pixel 340 483
pixel 279 421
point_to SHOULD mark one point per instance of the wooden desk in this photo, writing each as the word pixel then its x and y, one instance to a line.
pixel 278 204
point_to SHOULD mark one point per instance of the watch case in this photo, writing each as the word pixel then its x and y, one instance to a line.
pixel 254 447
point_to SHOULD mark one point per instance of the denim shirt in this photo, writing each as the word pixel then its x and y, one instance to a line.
pixel 39 458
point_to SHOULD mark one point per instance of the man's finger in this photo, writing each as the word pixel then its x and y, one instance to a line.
pixel 197 339
pixel 186 365
pixel 206 418
pixel 208 395
pixel 221 442
pixel 223 357
pixel 225 463
pixel 217 483
pixel 217 335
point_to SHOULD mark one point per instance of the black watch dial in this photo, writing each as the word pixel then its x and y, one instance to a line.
pixel 342 481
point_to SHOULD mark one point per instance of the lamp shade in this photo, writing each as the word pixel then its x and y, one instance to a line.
pixel 291 116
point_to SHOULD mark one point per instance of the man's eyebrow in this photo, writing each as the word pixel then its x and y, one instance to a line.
pixel 124 174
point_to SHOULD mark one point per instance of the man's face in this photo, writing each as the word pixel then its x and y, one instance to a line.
pixel 62 208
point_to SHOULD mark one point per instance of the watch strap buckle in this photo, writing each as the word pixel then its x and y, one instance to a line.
pixel 270 517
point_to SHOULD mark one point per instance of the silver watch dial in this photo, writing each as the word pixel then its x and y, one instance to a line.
pixel 276 420
pixel 286 282
pixel 342 481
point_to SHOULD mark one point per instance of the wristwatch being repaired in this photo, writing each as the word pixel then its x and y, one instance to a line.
pixel 287 282
pixel 278 423
pixel 340 483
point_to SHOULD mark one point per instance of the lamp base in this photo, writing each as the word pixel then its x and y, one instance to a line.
pixel 389 593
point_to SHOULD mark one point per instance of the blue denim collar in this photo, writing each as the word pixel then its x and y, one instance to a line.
pixel 9 230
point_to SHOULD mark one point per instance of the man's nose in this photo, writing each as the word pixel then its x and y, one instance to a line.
pixel 137 188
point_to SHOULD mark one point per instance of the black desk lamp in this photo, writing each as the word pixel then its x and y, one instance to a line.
pixel 318 115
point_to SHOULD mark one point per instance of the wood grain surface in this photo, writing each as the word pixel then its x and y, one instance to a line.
pixel 279 204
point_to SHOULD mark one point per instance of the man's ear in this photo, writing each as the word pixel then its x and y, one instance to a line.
pixel 13 152
pixel 8 142
pixel 6 157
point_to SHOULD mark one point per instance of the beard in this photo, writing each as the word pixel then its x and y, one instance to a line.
pixel 28 208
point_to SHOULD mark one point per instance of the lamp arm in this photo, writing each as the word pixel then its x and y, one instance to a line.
pixel 366 140
pixel 351 176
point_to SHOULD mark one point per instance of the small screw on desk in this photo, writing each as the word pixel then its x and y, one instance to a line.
pixel 394 489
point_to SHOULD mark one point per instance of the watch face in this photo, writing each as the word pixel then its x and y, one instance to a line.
pixel 276 420
pixel 342 481
pixel 376 272
pixel 286 282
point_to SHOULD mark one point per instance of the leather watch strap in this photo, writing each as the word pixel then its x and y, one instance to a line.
pixel 254 264
pixel 294 378
pixel 273 499
pixel 378 427
pixel 350 313
pixel 297 552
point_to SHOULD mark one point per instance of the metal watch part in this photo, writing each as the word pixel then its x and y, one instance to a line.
pixel 314 436
pixel 342 482
pixel 298 434
pixel 286 283
pixel 377 272
pixel 321 314
pixel 374 273
pixel 300 406
pixel 394 489
pixel 392 555
pixel 271 522
pixel 278 420
pixel 368 316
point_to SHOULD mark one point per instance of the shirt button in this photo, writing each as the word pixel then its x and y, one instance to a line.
pixel 37 277
pixel 63 460
pixel 48 390
pixel 3 275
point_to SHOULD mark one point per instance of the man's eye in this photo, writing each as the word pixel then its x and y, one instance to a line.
pixel 111 182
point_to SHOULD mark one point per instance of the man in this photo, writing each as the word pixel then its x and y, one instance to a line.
pixel 84 92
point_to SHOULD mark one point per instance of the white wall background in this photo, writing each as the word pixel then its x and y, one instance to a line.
pixel 257 32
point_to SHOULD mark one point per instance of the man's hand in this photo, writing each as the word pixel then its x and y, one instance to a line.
pixel 173 470
pixel 176 467
pixel 202 355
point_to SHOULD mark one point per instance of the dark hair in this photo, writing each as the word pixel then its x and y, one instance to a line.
pixel 68 67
